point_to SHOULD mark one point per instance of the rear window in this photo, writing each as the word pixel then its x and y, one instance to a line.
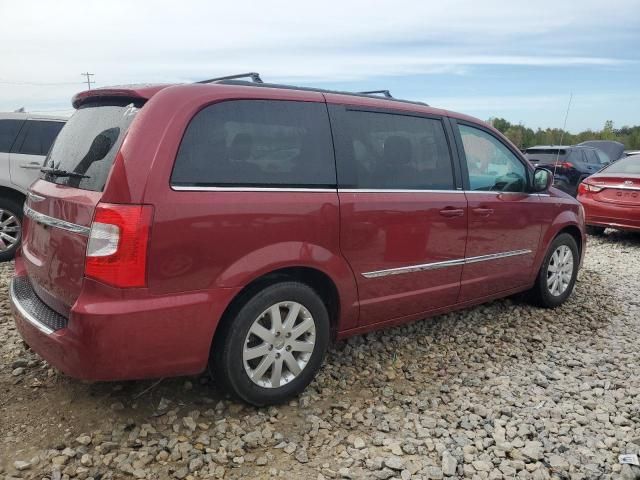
pixel 545 155
pixel 88 144
pixel 627 165
pixel 257 143
pixel 8 132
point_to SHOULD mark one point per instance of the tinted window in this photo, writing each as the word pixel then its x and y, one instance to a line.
pixel 592 158
pixel 603 157
pixel 390 151
pixel 39 137
pixel 491 165
pixel 257 143
pixel 88 144
pixel 545 155
pixel 575 156
pixel 8 131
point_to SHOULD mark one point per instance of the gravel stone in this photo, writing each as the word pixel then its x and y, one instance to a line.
pixel 21 465
pixel 500 391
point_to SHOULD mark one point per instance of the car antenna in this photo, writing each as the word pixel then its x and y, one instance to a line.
pixel 566 116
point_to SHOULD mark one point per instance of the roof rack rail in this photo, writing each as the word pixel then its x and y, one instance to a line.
pixel 254 76
pixel 237 80
pixel 386 93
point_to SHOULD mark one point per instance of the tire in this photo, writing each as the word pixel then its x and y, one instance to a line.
pixel 596 231
pixel 10 208
pixel 546 293
pixel 232 369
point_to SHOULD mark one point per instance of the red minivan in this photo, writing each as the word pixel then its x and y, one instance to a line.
pixel 242 226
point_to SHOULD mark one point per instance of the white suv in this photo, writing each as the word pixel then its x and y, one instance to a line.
pixel 25 140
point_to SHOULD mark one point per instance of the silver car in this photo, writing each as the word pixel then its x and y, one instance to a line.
pixel 25 140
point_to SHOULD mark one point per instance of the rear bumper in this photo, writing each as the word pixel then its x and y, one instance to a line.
pixel 110 338
pixel 602 214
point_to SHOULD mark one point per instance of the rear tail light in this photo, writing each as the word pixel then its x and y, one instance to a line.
pixel 565 165
pixel 117 248
pixel 588 188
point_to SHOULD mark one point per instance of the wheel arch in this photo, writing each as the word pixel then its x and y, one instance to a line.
pixel 12 193
pixel 575 232
pixel 316 278
pixel 567 222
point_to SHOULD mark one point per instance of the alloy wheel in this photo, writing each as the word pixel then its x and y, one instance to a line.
pixel 10 230
pixel 279 344
pixel 560 270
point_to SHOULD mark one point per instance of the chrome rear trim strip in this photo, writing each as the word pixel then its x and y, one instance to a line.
pixel 55 222
pixel 616 187
pixel 34 197
pixel 444 264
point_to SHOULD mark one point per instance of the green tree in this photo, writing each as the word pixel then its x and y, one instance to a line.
pixel 608 132
pixel 500 124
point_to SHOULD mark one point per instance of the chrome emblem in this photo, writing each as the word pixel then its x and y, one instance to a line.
pixel 628 182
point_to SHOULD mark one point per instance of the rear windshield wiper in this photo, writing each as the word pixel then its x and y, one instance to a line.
pixel 56 172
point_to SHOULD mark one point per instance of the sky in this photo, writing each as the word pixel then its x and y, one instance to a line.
pixel 520 60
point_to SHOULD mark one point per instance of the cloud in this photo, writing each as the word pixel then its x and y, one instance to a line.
pixel 335 42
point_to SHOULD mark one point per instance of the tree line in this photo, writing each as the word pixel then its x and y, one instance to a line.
pixel 524 137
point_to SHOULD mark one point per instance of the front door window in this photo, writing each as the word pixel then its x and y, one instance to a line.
pixel 491 165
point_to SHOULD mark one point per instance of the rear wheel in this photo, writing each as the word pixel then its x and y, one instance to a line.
pixel 10 227
pixel 558 273
pixel 593 230
pixel 272 348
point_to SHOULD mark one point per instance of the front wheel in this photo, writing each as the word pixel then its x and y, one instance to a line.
pixel 558 273
pixel 272 348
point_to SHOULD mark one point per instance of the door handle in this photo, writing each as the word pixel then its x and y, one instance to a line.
pixel 31 167
pixel 485 212
pixel 452 212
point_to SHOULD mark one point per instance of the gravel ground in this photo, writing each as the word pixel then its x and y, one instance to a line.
pixel 504 390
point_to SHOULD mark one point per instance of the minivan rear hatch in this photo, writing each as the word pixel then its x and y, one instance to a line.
pixel 60 206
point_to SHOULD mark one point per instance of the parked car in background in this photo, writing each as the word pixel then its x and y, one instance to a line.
pixel 570 164
pixel 611 198
pixel 25 140
pixel 243 226
pixel 608 150
pixel 628 153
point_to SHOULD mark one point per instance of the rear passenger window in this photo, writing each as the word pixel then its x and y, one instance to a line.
pixel 39 137
pixel 257 143
pixel 592 158
pixel 392 151
pixel 576 156
pixel 8 132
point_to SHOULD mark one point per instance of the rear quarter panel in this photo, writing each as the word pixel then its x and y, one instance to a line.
pixel 203 240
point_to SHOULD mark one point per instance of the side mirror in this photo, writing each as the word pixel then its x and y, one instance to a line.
pixel 542 179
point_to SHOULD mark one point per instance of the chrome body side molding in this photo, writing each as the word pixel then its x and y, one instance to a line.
pixel 444 264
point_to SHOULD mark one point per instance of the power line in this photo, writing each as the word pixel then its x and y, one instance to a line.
pixel 89 81
pixel 38 84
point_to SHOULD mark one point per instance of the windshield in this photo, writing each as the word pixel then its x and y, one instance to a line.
pixel 627 165
pixel 88 144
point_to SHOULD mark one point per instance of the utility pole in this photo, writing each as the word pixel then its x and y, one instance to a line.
pixel 89 81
